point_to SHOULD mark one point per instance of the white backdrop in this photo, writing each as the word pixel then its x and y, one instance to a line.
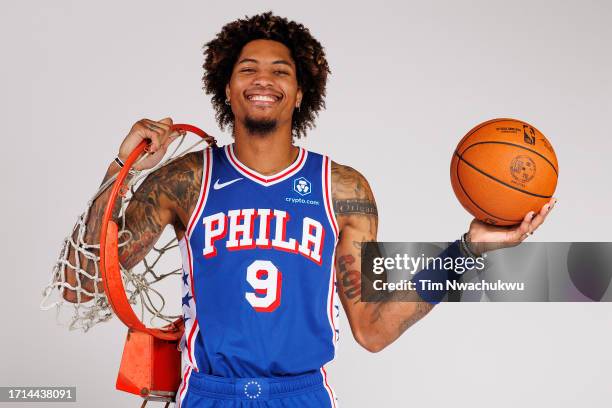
pixel 409 79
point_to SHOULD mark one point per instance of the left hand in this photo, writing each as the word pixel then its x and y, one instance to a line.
pixel 485 237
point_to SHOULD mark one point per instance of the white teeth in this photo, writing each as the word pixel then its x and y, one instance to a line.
pixel 264 98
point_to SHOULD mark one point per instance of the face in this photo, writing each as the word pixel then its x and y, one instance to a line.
pixel 263 89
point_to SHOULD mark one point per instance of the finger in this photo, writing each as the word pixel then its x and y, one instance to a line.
pixel 150 130
pixel 178 132
pixel 170 139
pixel 167 124
pixel 541 216
pixel 523 230
pixel 155 144
pixel 164 129
pixel 173 134
pixel 154 138
pixel 156 126
pixel 167 121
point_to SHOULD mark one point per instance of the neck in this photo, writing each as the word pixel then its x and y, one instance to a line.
pixel 266 154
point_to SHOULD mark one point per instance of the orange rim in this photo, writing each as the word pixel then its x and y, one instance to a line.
pixel 109 254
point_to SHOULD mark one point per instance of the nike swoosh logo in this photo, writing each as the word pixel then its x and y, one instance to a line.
pixel 218 186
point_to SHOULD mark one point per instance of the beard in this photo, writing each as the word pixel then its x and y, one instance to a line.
pixel 260 127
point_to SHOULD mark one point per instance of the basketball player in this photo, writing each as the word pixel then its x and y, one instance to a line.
pixel 263 225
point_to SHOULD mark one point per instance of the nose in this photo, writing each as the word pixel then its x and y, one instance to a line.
pixel 263 79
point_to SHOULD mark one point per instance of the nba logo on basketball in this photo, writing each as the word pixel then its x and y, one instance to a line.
pixel 529 134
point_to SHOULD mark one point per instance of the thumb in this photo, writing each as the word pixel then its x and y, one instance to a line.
pixel 167 121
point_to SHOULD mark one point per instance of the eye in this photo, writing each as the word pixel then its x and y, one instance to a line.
pixel 281 72
pixel 247 70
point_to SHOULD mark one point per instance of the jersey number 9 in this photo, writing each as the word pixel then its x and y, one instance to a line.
pixel 266 279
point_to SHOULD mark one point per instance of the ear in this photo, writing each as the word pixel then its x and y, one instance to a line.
pixel 227 91
pixel 298 97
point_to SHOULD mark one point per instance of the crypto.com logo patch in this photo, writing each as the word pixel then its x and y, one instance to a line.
pixel 302 186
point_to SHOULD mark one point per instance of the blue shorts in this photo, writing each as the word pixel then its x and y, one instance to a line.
pixel 307 390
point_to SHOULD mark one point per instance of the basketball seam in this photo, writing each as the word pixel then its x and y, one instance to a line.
pixel 499 181
pixel 477 128
pixel 474 202
pixel 515 145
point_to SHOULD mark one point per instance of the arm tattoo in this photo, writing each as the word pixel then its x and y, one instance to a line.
pixel 364 207
pixel 401 324
pixel 92 231
pixel 350 279
pixel 358 245
pixel 351 193
pixel 174 188
pixel 355 208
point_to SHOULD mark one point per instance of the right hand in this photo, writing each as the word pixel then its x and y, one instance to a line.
pixel 158 134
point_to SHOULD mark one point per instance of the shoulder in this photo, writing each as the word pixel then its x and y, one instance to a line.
pixel 188 165
pixel 351 192
pixel 349 183
pixel 177 181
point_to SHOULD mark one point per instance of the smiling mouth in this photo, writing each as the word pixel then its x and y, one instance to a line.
pixel 263 100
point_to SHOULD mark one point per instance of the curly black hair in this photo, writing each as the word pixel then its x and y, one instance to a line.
pixel 311 65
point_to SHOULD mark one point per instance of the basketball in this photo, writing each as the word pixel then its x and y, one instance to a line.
pixel 502 169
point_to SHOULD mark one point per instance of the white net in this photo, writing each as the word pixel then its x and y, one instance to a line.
pixel 144 284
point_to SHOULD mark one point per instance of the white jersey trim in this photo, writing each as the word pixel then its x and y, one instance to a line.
pixel 204 188
pixel 261 179
pixel 192 329
pixel 182 391
pixel 333 307
pixel 328 388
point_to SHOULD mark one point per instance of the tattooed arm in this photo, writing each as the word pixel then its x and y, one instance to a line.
pixel 156 203
pixel 92 234
pixel 375 325
pixel 166 196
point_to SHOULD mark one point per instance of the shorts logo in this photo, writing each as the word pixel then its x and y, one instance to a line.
pixel 252 389
pixel 302 186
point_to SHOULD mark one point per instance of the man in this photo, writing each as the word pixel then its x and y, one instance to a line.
pixel 261 223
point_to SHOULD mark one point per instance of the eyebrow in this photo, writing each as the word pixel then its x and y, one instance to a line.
pixel 283 62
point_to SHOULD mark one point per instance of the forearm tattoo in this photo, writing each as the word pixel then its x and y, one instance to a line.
pixel 350 277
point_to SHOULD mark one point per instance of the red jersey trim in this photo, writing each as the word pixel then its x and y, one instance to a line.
pixel 295 167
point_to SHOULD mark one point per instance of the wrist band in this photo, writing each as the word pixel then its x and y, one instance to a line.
pixel 120 163
pixel 465 247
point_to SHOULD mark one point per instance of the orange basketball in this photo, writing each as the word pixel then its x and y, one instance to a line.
pixel 502 169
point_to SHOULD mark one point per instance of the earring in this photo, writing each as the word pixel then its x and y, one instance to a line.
pixel 298 107
pixel 227 101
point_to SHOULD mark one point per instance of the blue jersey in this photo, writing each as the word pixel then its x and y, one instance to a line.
pixel 259 296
